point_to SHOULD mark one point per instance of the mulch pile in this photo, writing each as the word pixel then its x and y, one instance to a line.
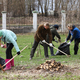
pixel 51 65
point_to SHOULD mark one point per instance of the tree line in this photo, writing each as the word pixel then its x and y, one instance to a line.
pixel 17 8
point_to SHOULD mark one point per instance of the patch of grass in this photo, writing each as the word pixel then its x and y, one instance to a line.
pixel 23 59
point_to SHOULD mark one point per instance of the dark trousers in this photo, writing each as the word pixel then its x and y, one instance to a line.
pixel 46 48
pixel 9 51
pixel 76 44
pixel 51 50
pixel 35 44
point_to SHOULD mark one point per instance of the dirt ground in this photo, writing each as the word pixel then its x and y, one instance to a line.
pixel 23 73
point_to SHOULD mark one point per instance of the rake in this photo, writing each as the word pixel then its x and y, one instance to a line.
pixel 58 49
pixel 12 58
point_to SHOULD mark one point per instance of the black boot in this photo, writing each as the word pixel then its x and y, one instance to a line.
pixel 75 52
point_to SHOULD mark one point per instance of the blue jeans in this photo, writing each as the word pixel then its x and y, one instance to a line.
pixel 51 50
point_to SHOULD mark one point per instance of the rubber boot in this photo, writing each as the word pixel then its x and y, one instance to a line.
pixel 8 66
pixel 12 63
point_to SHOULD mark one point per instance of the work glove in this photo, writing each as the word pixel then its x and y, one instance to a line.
pixel 50 44
pixel 18 52
pixel 65 41
pixel 43 41
pixel 59 40
pixel 69 43
pixel 2 45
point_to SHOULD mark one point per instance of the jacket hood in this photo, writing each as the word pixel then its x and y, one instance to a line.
pixel 73 27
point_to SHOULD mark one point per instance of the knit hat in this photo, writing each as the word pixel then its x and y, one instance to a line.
pixel 56 26
pixel 0 33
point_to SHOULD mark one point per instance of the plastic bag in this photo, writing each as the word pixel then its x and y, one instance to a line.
pixel 63 47
pixel 2 62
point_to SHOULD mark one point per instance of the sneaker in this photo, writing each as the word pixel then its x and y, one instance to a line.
pixel 52 55
pixel 75 54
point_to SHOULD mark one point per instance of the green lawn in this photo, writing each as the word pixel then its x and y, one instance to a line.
pixel 23 59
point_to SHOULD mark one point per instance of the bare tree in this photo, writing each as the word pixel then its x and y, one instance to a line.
pixel 5 5
pixel 46 7
pixel 52 4
pixel 1 7
pixel 40 2
pixel 16 7
pixel 20 7
pixel 56 9
pixel 30 6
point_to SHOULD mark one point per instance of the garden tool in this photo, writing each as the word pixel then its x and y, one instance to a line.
pixel 58 49
pixel 12 58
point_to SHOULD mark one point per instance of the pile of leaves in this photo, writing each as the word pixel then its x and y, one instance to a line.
pixel 50 65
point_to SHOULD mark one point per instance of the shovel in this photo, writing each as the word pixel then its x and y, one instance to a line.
pixel 12 58
pixel 58 49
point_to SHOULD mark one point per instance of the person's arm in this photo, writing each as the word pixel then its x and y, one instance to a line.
pixel 0 42
pixel 68 37
pixel 74 34
pixel 11 39
pixel 50 36
pixel 39 30
pixel 57 34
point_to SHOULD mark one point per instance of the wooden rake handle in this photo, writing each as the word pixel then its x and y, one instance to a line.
pixel 14 56
pixel 58 49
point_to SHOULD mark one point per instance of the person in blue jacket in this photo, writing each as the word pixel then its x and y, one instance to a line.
pixel 75 33
pixel 9 38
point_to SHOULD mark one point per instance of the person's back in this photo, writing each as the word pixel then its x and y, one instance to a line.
pixel 54 33
pixel 41 33
pixel 8 34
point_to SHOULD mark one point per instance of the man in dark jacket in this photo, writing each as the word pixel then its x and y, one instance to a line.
pixel 40 35
pixel 75 33
pixel 54 33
